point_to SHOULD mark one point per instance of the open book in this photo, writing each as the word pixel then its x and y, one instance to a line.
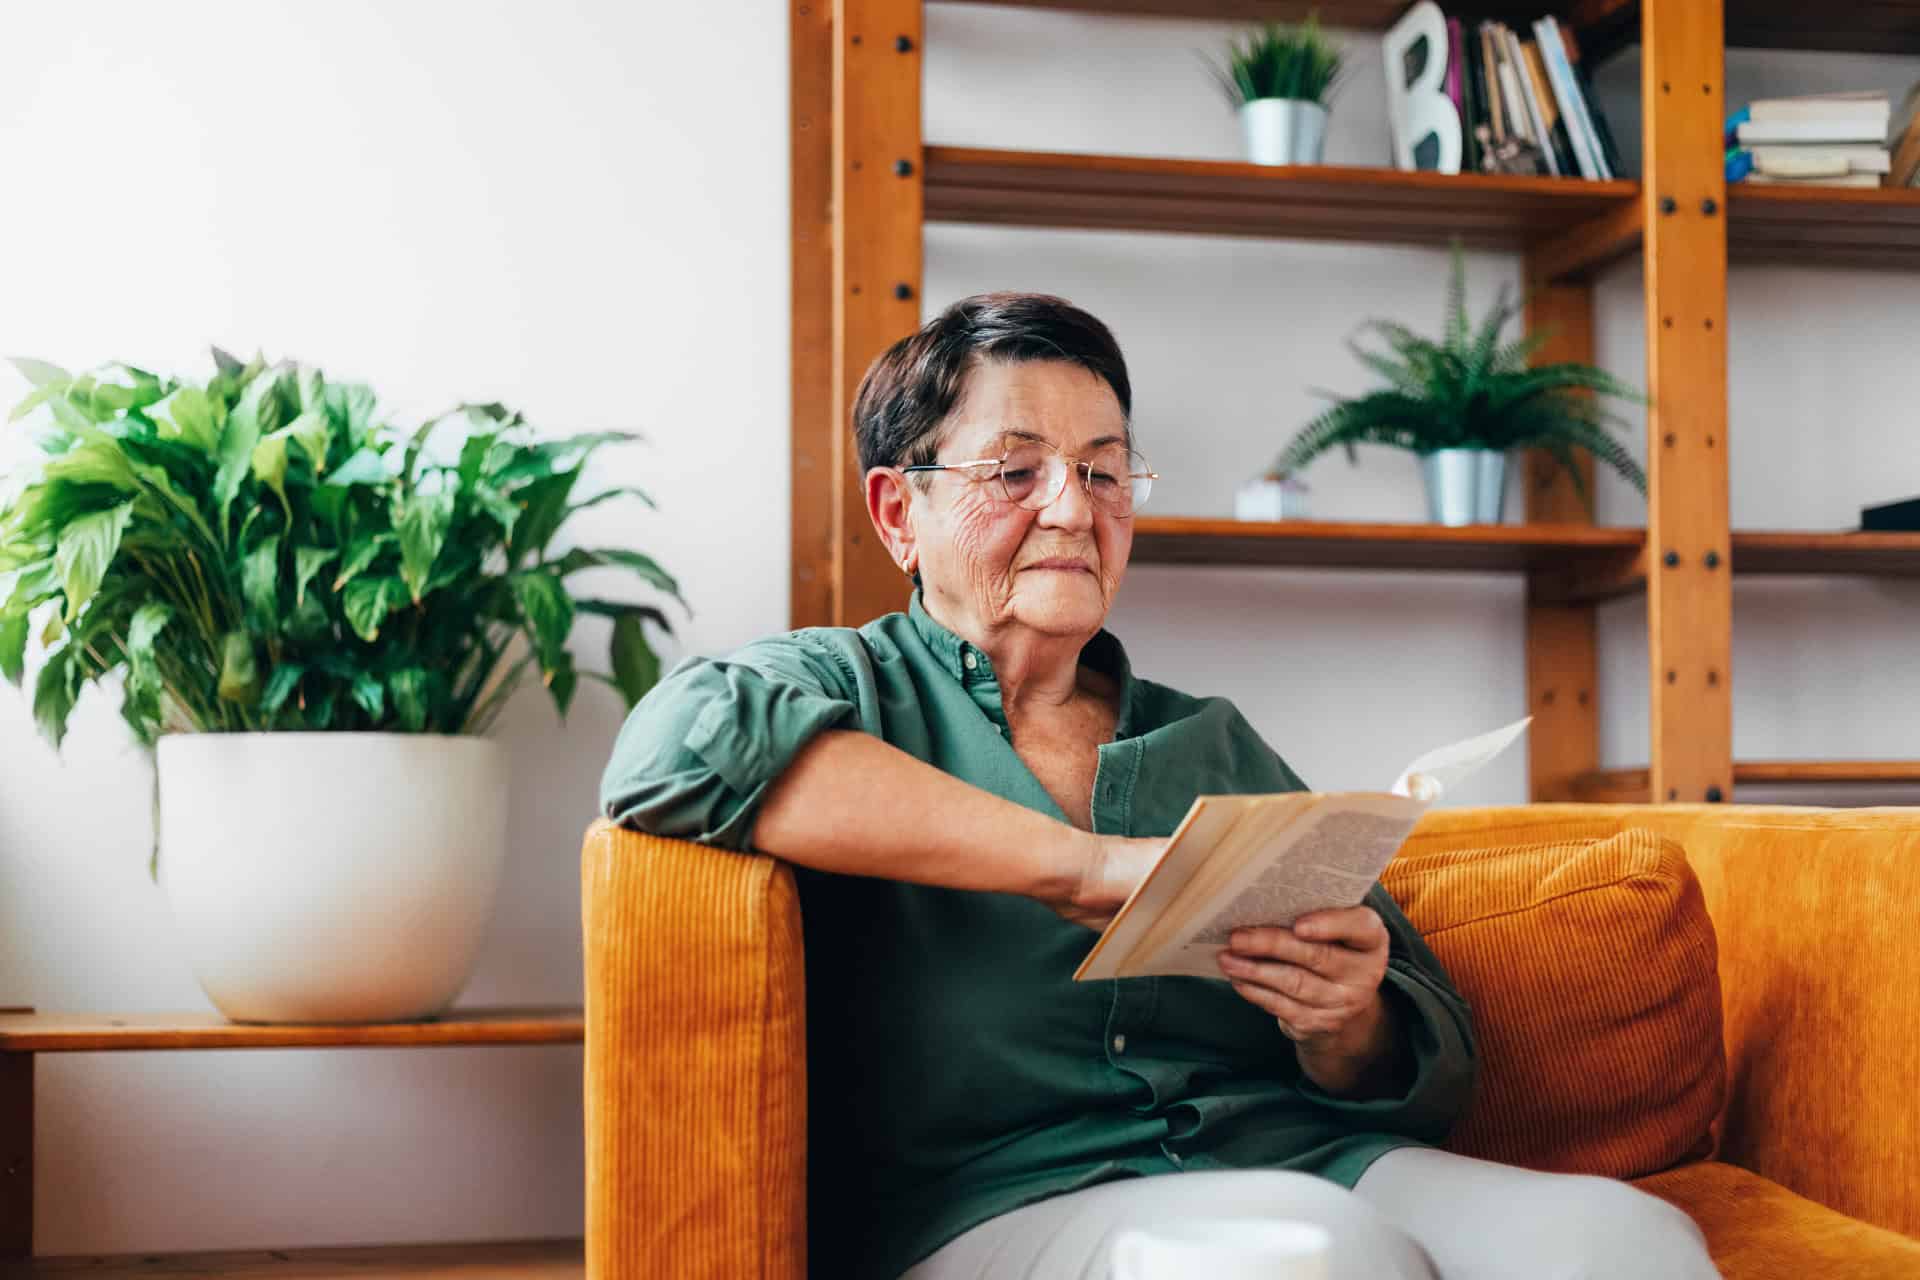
pixel 1237 861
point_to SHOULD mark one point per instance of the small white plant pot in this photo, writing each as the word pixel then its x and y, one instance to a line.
pixel 331 877
pixel 1267 499
pixel 1284 131
pixel 1466 486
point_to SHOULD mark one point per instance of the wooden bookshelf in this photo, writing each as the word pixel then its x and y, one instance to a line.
pixel 1300 202
pixel 93 1032
pixel 520 1260
pixel 861 202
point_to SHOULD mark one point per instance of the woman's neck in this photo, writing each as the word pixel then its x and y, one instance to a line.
pixel 1036 670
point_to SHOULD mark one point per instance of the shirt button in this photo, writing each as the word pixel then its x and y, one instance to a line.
pixel 1119 1044
pixel 968 661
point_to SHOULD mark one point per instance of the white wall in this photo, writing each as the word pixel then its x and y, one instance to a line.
pixel 581 209
pixel 577 208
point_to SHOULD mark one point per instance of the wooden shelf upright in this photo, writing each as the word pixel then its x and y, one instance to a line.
pixel 865 181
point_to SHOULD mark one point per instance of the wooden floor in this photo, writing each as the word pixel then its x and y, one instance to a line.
pixel 531 1260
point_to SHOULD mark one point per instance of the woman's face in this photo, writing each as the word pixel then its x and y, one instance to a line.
pixel 986 563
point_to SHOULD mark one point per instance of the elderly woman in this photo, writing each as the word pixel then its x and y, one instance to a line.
pixel 969 787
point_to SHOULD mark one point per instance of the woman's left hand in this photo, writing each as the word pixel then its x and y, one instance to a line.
pixel 1321 980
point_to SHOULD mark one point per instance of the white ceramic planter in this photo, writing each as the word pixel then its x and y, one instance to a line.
pixel 1466 486
pixel 331 877
pixel 1283 131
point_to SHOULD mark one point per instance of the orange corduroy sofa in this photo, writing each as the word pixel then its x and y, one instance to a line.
pixel 1807 1159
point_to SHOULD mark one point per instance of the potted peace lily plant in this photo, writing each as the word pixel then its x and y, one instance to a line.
pixel 314 619
pixel 1280 79
pixel 1465 403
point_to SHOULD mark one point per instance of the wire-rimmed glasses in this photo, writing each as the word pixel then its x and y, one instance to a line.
pixel 1031 475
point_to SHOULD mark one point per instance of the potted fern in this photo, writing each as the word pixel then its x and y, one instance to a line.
pixel 314 619
pixel 1280 78
pixel 1463 404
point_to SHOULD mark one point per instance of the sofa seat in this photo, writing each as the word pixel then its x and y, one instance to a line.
pixel 1758 1230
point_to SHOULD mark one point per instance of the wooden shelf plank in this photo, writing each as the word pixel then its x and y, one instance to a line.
pixel 1308 202
pixel 1777 772
pixel 1370 15
pixel 1579 562
pixel 1878 26
pixel 1348 545
pixel 94 1032
pixel 1629 786
pixel 1895 555
pixel 1877 227
pixel 519 1260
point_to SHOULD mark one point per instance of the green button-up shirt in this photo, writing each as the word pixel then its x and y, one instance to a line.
pixel 956 1070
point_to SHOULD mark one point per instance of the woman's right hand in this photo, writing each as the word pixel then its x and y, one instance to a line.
pixel 1111 866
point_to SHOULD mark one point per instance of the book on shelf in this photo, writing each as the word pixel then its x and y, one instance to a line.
pixel 1903 141
pixel 1828 139
pixel 1525 105
pixel 1255 860
pixel 1842 180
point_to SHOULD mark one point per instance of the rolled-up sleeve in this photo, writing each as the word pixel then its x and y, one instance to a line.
pixel 1438 1030
pixel 696 756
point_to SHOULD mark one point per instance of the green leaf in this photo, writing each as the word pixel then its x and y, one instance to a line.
pixel 361 555
pixel 96 458
pixel 239 677
pixel 365 467
pixel 410 700
pixel 37 397
pixel 543 507
pixel 309 623
pixel 548 610
pixel 226 364
pixel 312 432
pixel 561 681
pixel 422 520
pixel 581 558
pixel 270 467
pixel 351 406
pixel 87 547
pixel 245 423
pixel 368 601
pixel 13 647
pixel 624 491
pixel 636 667
pixel 39 372
pixel 260 582
pixel 308 561
pixel 496 505
pixel 148 621
pixel 286 678
pixel 193 417
pixel 54 693
pixel 371 695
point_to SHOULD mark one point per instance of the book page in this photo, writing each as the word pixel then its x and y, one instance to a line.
pixel 1329 858
pixel 1238 861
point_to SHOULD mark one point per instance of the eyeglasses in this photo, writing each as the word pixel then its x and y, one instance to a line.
pixel 1116 479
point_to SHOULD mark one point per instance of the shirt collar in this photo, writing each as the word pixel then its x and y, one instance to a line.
pixel 1104 653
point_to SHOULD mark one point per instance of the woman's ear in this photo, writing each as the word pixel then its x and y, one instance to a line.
pixel 889 499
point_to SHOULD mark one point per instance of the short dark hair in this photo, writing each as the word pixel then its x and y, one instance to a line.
pixel 912 387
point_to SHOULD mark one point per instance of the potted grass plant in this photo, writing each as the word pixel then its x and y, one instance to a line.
pixel 1280 78
pixel 1466 402
pixel 314 618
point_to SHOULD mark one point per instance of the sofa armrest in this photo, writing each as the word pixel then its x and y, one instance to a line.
pixel 696 1089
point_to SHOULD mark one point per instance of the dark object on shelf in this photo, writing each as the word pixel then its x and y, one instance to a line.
pixel 1891 517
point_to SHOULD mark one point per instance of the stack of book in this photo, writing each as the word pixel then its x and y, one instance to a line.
pixel 1821 140
pixel 1526 105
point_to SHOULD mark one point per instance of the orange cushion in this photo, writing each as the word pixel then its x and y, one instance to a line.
pixel 1759 1230
pixel 1591 969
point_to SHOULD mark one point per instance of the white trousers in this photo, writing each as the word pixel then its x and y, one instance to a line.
pixel 1417 1214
